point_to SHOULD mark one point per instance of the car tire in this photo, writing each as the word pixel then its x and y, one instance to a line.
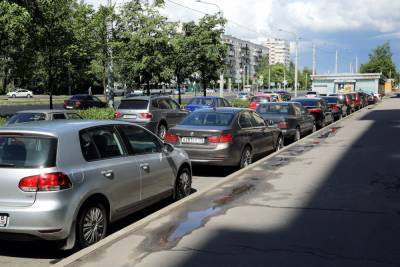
pixel 162 130
pixel 13 96
pixel 183 185
pixel 92 224
pixel 322 124
pixel 297 135
pixel 29 96
pixel 246 157
pixel 279 143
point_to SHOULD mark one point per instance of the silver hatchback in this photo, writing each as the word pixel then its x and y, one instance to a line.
pixel 69 180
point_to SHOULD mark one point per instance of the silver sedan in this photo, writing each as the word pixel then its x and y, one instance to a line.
pixel 69 180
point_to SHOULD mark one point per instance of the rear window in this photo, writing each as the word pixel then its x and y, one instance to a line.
pixel 134 104
pixel 307 102
pixel 201 101
pixel 273 109
pixel 259 99
pixel 27 151
pixel 331 100
pixel 208 119
pixel 26 117
pixel 78 97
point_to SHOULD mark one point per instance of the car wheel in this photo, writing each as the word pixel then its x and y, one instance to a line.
pixel 183 185
pixel 29 96
pixel 162 131
pixel 297 135
pixel 13 96
pixel 246 158
pixel 323 123
pixel 92 224
pixel 279 143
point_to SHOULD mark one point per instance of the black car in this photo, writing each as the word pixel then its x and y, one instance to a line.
pixel 293 120
pixel 225 136
pixel 337 105
pixel 317 107
pixel 84 101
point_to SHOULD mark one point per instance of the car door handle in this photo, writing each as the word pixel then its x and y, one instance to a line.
pixel 145 167
pixel 108 174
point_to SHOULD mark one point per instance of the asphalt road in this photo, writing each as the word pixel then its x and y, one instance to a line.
pixel 331 200
pixel 33 254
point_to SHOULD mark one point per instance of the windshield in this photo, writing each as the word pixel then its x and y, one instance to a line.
pixel 134 104
pixel 201 101
pixel 260 99
pixel 273 109
pixel 27 151
pixel 26 117
pixel 208 118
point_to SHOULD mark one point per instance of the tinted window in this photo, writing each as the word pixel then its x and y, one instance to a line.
pixel 26 117
pixel 141 141
pixel 220 102
pixel 273 108
pixel 208 118
pixel 79 97
pixel 164 104
pixel 201 101
pixel 95 98
pixel 134 104
pixel 27 151
pixel 59 116
pixel 73 116
pixel 307 102
pixel 106 141
pixel 331 100
pixel 256 120
pixel 173 104
pixel 227 104
pixel 245 120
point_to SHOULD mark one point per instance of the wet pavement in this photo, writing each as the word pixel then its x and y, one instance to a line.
pixel 332 200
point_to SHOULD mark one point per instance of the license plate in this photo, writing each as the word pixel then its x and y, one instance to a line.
pixel 68 107
pixel 192 140
pixel 130 117
pixel 3 220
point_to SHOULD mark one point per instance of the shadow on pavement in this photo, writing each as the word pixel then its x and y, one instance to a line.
pixel 353 219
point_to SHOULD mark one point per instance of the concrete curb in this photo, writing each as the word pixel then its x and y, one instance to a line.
pixel 166 210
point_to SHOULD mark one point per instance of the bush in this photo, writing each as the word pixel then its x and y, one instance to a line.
pixel 240 103
pixel 2 120
pixel 97 113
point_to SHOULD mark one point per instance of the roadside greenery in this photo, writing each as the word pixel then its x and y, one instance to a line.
pixel 240 103
pixel 97 113
pixel 57 47
pixel 2 120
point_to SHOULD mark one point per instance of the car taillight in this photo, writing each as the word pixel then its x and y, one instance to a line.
pixel 335 107
pixel 253 105
pixel 117 115
pixel 77 103
pixel 146 115
pixel 224 138
pixel 55 181
pixel 314 110
pixel 283 125
pixel 170 138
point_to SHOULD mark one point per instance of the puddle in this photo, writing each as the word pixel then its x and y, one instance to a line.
pixel 195 219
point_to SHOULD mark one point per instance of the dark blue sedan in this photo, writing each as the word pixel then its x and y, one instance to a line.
pixel 207 102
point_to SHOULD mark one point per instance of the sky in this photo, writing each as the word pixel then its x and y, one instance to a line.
pixel 353 27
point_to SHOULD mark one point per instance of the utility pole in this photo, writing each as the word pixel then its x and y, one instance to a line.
pixel 110 80
pixel 357 64
pixel 296 67
pixel 306 80
pixel 269 77
pixel 351 68
pixel 314 53
pixel 336 62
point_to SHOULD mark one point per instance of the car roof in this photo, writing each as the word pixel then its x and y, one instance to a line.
pixel 57 128
pixel 221 110
pixel 46 111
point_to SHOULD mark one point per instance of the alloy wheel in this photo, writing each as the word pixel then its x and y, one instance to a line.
pixel 279 144
pixel 246 159
pixel 93 225
pixel 184 184
pixel 162 131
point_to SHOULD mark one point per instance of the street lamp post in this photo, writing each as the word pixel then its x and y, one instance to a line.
pixel 296 63
pixel 221 75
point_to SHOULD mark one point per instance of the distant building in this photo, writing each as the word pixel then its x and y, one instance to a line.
pixel 348 82
pixel 279 51
pixel 243 59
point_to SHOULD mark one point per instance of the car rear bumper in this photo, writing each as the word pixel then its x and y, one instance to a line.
pixel 48 220
pixel 221 155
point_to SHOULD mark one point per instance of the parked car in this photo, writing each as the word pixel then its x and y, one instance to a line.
pixel 357 100
pixel 255 101
pixel 20 93
pixel 244 96
pixel 339 109
pixel 156 113
pixel 372 99
pixel 116 169
pixel 292 118
pixel 312 94
pixel 364 99
pixel 347 100
pixel 224 136
pixel 286 96
pixel 40 115
pixel 207 102
pixel 318 108
pixel 84 101
pixel 275 97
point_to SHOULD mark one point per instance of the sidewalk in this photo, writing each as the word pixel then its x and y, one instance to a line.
pixel 331 200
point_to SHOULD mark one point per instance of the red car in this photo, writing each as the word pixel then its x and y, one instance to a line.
pixel 255 101
pixel 357 101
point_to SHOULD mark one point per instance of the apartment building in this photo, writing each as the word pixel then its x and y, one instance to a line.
pixel 279 51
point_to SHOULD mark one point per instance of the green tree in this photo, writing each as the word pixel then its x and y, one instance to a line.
pixel 14 24
pixel 305 78
pixel 380 60
pixel 208 49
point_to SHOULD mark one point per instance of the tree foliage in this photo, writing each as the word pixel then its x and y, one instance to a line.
pixel 380 60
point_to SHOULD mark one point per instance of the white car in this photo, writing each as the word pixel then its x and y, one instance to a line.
pixel 312 94
pixel 20 93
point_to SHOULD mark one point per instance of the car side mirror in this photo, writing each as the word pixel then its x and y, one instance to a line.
pixel 168 148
